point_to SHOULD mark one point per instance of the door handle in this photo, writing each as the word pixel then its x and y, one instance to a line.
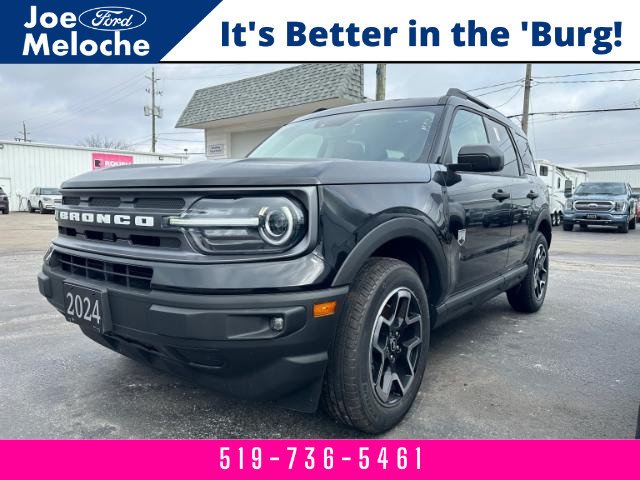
pixel 532 195
pixel 500 195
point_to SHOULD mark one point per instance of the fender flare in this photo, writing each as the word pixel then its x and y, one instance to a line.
pixel 391 230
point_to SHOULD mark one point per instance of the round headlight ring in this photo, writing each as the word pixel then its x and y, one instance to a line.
pixel 266 229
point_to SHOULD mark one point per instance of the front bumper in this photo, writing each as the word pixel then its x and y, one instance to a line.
pixel 601 218
pixel 221 341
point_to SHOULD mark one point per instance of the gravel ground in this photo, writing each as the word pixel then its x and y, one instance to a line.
pixel 570 371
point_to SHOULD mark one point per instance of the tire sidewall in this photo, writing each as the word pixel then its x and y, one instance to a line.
pixel 386 416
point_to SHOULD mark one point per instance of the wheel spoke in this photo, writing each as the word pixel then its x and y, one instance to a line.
pixel 396 334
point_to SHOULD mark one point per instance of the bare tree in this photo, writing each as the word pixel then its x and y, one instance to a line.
pixel 96 141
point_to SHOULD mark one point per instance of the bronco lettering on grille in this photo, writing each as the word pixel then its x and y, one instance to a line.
pixel 105 218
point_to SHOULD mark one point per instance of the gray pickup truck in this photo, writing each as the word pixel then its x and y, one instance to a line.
pixel 603 204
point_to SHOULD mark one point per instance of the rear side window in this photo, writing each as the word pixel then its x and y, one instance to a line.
pixel 499 137
pixel 526 155
pixel 467 129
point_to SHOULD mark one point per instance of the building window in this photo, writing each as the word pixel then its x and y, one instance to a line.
pixel 544 171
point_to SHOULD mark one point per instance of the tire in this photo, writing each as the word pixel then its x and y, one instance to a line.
pixel 350 393
pixel 584 228
pixel 567 227
pixel 529 296
pixel 41 208
pixel 30 208
pixel 6 212
pixel 632 224
pixel 624 228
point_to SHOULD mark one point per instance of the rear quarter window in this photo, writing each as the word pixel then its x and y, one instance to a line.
pixel 525 155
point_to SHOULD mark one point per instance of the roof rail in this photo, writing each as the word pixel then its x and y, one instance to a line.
pixel 456 92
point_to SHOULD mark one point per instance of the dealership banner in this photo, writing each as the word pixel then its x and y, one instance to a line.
pixel 143 31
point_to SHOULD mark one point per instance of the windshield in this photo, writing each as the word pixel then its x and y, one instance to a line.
pixel 601 189
pixel 394 134
pixel 49 191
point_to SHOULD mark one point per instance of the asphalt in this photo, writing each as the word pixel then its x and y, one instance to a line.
pixel 571 370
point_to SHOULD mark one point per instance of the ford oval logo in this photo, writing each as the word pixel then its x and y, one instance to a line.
pixel 112 18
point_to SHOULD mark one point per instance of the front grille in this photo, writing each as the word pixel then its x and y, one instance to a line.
pixel 70 200
pixel 104 202
pixel 595 206
pixel 160 203
pixel 131 276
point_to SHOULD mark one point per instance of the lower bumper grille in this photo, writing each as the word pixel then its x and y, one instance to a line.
pixel 132 276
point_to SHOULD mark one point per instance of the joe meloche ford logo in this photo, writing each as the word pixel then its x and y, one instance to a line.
pixel 115 19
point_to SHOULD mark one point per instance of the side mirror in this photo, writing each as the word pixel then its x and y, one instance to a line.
pixel 478 158
pixel 635 195
pixel 568 194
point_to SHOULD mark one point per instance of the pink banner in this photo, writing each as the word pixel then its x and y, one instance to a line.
pixel 437 459
pixel 106 160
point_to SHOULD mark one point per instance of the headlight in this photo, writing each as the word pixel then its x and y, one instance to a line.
pixel 243 225
pixel 569 204
pixel 621 206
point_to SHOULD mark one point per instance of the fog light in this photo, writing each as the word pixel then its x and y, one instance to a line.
pixel 277 324
pixel 324 309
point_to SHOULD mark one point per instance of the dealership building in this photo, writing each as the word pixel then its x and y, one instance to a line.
pixel 237 116
pixel 24 166
pixel 615 173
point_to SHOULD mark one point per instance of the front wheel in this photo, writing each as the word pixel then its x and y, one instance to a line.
pixel 30 208
pixel 632 224
pixel 529 295
pixel 41 208
pixel 379 354
pixel 567 227
pixel 624 228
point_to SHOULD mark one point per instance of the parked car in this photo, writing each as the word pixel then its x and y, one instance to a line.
pixel 601 204
pixel 637 211
pixel 4 202
pixel 316 268
pixel 43 199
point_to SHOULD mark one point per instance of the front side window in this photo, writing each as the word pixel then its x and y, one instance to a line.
pixel 467 129
pixel 49 191
pixel 499 137
pixel 400 135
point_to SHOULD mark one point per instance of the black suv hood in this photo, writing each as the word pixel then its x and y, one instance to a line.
pixel 253 172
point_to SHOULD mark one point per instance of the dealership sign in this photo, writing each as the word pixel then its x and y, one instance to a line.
pixel 110 19
pixel 105 160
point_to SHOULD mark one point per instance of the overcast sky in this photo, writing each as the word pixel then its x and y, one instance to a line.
pixel 65 104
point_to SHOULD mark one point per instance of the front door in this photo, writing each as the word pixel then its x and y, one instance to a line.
pixel 485 209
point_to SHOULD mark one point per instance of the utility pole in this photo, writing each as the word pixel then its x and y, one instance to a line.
pixel 154 111
pixel 23 135
pixel 527 95
pixel 381 80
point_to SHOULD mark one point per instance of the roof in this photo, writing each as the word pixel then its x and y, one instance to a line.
pixel 299 85
pixel 450 98
pixel 600 168
pixel 82 147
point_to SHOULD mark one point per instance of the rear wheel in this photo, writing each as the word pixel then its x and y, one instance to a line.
pixel 379 354
pixel 529 295
pixel 567 227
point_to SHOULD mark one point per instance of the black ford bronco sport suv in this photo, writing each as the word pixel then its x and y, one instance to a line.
pixel 316 268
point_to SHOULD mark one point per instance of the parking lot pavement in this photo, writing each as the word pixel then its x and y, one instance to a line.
pixel 571 370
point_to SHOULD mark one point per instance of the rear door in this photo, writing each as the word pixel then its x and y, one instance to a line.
pixel 528 198
pixel 482 200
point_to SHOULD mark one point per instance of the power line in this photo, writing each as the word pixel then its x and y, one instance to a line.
pixel 595 110
pixel 510 98
pixel 494 85
pixel 498 90
pixel 589 81
pixel 588 73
